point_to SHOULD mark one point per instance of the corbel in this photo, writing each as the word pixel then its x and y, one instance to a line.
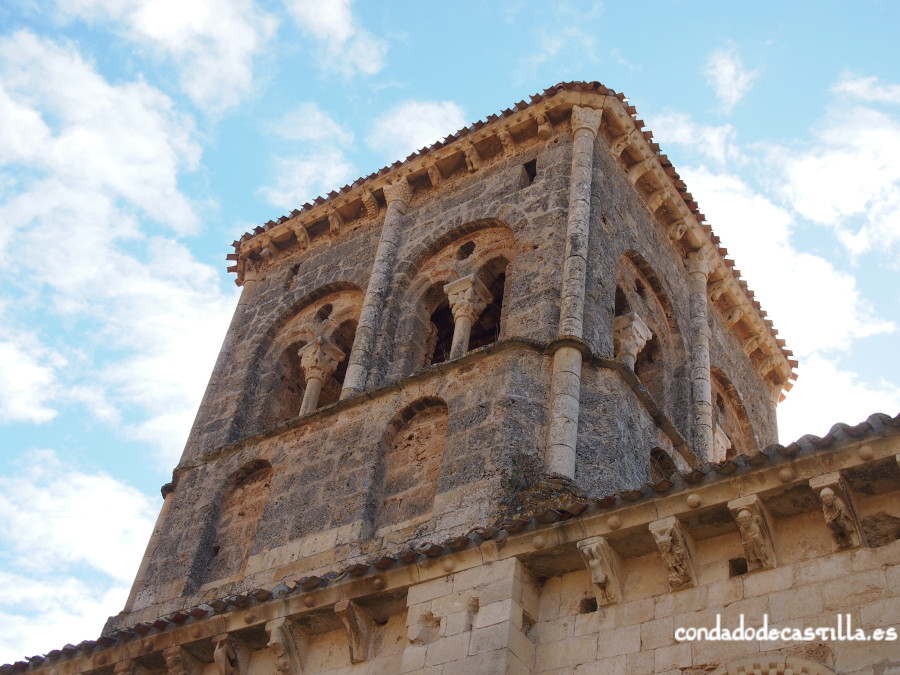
pixel 751 344
pixel 335 221
pixel 473 162
pixel 676 230
pixel 621 142
pixel 369 203
pixel 506 139
pixel 180 662
pixel 767 365
pixel 733 315
pixel 657 199
pixel 717 290
pixel 605 567
pixel 359 626
pixel 434 175
pixel 676 550
pixel 230 655
pixel 544 128
pixel 838 511
pixel 300 232
pixel 129 668
pixel 267 249
pixel 638 170
pixel 289 645
pixel 755 527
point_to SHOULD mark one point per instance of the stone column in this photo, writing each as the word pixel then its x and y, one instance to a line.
pixel 699 265
pixel 565 393
pixel 468 297
pixel 398 196
pixel 319 359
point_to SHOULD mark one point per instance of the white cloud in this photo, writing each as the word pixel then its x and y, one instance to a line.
pixel 797 289
pixel 726 74
pixel 100 159
pixel 347 47
pixel 28 379
pixel 412 125
pixel 812 407
pixel 849 179
pixel 715 143
pixel 55 519
pixel 868 89
pixel 213 42
pixel 313 172
pixel 310 123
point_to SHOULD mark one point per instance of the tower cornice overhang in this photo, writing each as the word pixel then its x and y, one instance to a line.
pixel 501 136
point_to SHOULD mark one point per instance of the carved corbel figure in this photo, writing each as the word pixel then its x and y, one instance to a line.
pixel 286 643
pixel 638 170
pixel 656 200
pixel 717 290
pixel 733 315
pixel 335 221
pixel 230 656
pixel 359 626
pixel 506 139
pixel 434 175
pixel 544 128
pixel 604 564
pixel 754 526
pixel 630 334
pixel 369 203
pixel 767 365
pixel 621 142
pixel 676 230
pixel 473 162
pixel 674 546
pixel 302 235
pixel 751 344
pixel 180 662
pixel 837 508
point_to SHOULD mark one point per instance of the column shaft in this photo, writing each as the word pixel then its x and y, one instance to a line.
pixel 701 390
pixel 462 329
pixel 311 395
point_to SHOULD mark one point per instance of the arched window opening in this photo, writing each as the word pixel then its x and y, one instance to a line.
pixel 486 331
pixel 342 338
pixel 440 334
pixel 287 385
pixel 238 522
pixel 650 368
pixel 732 433
pixel 622 307
pixel 411 464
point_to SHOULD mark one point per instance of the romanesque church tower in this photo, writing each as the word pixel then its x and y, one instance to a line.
pixel 505 406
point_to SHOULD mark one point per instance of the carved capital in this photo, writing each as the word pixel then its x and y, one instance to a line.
pixel 319 359
pixel 230 656
pixel 604 565
pixel 509 145
pixel 676 230
pixel 398 191
pixel 675 548
pixel 587 119
pixel 288 646
pixel 630 334
pixel 369 203
pixel 755 527
pixel 837 508
pixel 700 261
pixel 359 626
pixel 467 297
pixel 473 162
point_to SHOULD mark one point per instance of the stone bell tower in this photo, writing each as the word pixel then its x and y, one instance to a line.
pixel 495 408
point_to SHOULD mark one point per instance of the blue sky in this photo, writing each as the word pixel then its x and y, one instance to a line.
pixel 138 138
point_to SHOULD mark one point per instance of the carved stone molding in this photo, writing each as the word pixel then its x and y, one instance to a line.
pixel 604 565
pixel 675 548
pixel 398 191
pixel 180 662
pixel 755 527
pixel 359 626
pixel 288 645
pixel 230 656
pixel 838 510
pixel 630 334
pixel 772 664
pixel 587 119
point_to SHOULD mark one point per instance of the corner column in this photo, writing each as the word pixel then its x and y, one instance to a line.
pixel 565 393
pixel 398 195
pixel 699 266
